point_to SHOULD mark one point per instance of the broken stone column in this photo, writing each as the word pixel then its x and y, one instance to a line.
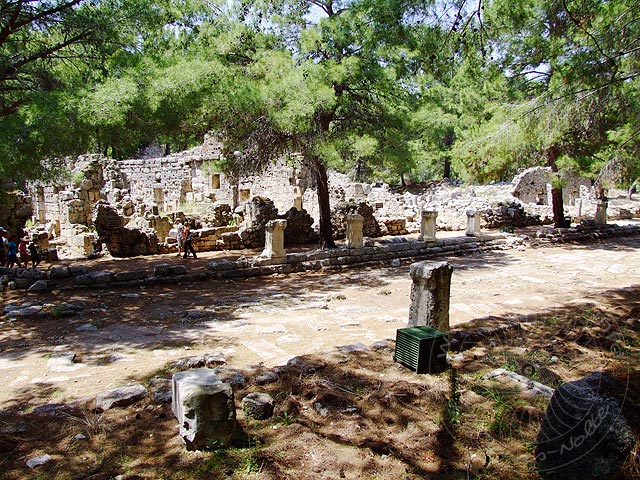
pixel 601 212
pixel 430 293
pixel 428 226
pixel 354 231
pixel 473 223
pixel 274 239
pixel 204 408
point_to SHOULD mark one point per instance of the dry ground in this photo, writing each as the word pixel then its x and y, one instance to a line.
pixel 339 414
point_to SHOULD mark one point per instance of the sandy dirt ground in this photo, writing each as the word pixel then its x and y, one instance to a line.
pixel 116 337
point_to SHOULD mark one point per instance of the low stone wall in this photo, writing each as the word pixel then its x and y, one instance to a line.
pixel 389 252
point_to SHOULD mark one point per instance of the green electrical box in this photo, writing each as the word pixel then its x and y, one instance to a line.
pixel 423 349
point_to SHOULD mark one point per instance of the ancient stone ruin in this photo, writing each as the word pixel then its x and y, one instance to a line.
pixel 130 207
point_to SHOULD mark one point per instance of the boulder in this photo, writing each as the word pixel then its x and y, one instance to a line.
pixel 583 434
pixel 120 397
pixel 258 406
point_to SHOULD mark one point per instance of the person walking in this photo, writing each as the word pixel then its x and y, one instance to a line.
pixel 3 247
pixel 188 242
pixel 180 237
pixel 23 255
pixel 35 255
pixel 12 252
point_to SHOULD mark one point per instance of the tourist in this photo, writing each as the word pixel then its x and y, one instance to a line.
pixel 179 237
pixel 3 247
pixel 188 242
pixel 12 252
pixel 35 255
pixel 23 255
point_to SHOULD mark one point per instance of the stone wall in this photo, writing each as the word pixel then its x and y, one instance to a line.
pixel 533 185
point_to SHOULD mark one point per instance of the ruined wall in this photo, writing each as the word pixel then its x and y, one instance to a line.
pixel 533 185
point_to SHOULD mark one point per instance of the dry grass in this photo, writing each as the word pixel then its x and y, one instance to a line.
pixel 356 415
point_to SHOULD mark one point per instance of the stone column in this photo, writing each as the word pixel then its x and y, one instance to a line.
pixel 274 239
pixel 601 212
pixel 430 293
pixel 473 223
pixel 354 231
pixel 428 226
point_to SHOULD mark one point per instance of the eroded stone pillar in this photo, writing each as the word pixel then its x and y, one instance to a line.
pixel 274 239
pixel 428 226
pixel 354 231
pixel 601 212
pixel 430 293
pixel 473 222
pixel 205 409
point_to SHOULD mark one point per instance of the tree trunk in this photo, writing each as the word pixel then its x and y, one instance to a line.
pixel 557 202
pixel 326 236
pixel 447 168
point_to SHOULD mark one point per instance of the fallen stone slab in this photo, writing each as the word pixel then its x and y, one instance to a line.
pixel 528 386
pixel 25 311
pixel 120 397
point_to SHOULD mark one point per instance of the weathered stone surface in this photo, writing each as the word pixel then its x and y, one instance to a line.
pixel 354 231
pixel 584 434
pixel 120 397
pixel 129 276
pixel 258 405
pixel 430 292
pixel 39 461
pixel 230 375
pixel 40 286
pixel 95 278
pixel 205 409
pixel 265 378
pixel 30 274
pixel 168 270
pixel 204 360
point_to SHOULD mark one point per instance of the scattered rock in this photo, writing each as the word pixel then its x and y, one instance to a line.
pixel 38 461
pixel 258 405
pixel 120 397
pixel 265 378
pixel 86 327
pixel 40 286
pixel 230 375
pixel 200 361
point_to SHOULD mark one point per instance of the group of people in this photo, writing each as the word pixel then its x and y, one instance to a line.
pixel 184 238
pixel 17 252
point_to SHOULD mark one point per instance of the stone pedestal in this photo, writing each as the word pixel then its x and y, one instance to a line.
pixel 430 293
pixel 473 223
pixel 204 408
pixel 601 212
pixel 354 231
pixel 274 239
pixel 428 226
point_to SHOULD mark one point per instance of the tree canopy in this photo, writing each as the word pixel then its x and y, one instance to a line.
pixel 399 90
